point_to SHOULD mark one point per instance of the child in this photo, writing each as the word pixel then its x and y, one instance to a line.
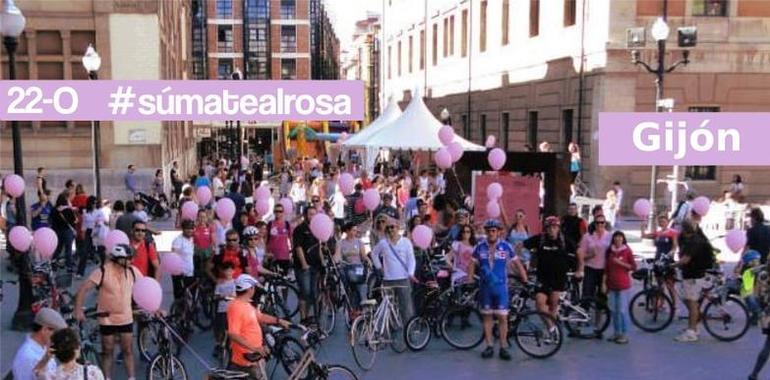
pixel 744 270
pixel 225 291
pixel 620 263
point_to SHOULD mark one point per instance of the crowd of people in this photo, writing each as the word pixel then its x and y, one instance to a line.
pixel 238 255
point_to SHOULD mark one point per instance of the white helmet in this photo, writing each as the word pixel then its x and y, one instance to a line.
pixel 250 231
pixel 121 251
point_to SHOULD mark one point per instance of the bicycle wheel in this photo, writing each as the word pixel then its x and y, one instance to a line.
pixel 537 334
pixel 651 310
pixel 203 312
pixel 586 322
pixel 290 353
pixel 363 343
pixel 338 372
pixel 164 367
pixel 287 306
pixel 417 333
pixel 461 327
pixel 397 337
pixel 726 321
pixel 89 355
pixel 327 310
pixel 147 340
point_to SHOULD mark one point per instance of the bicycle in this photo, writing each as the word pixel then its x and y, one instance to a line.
pixel 723 314
pixel 165 365
pixel 281 298
pixel 653 298
pixel 420 328
pixel 149 336
pixel 90 338
pixel 333 295
pixel 49 289
pixel 537 334
pixel 583 318
pixel 375 328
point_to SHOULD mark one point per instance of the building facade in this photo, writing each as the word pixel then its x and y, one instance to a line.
pixel 361 62
pixel 532 71
pixel 145 39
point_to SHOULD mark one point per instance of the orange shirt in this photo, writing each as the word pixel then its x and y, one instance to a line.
pixel 114 295
pixel 243 320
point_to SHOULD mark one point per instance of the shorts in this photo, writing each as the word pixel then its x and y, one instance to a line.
pixel 548 287
pixel 692 288
pixel 494 299
pixel 114 330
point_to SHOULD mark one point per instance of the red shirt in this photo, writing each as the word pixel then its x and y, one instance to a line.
pixel 203 236
pixel 617 276
pixel 366 183
pixel 235 256
pixel 142 258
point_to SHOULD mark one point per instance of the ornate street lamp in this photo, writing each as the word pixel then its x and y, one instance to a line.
pixel 92 62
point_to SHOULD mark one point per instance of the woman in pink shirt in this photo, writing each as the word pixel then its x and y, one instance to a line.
pixel 591 260
pixel 620 263
pixel 203 241
pixel 461 255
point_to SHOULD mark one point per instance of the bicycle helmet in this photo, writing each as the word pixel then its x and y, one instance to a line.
pixel 250 231
pixel 245 282
pixel 750 256
pixel 492 223
pixel 121 251
pixel 552 221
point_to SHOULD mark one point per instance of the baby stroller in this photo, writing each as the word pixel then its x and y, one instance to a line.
pixel 155 207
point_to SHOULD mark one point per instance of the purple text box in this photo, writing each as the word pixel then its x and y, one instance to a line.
pixel 261 100
pixel 682 138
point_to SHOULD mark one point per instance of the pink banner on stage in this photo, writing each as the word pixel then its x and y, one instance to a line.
pixel 518 193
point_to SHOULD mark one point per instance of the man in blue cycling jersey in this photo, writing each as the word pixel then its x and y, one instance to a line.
pixel 492 257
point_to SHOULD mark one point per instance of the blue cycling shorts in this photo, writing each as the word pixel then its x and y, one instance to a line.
pixel 494 299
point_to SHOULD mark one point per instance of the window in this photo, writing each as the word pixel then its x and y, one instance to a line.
pixel 198 39
pixel 258 68
pixel 446 36
pixel 483 31
pixel 534 18
pixel 464 39
pixel 483 125
pixel 435 44
pixel 257 9
pixel 390 59
pixel 701 173
pixel 288 9
pixel 258 39
pixel 288 38
pixel 505 18
pixel 532 130
pixel 505 123
pixel 466 126
pixel 452 35
pixel 570 11
pixel 224 38
pixel 224 68
pixel 224 8
pixel 288 69
pixel 411 56
pixel 398 56
pixel 422 49
pixel 566 120
pixel 711 8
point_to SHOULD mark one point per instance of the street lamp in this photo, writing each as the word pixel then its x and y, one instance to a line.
pixel 446 119
pixel 12 24
pixel 687 37
pixel 92 62
pixel 238 75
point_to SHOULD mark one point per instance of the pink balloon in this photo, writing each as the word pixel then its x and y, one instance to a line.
pixel 203 194
pixel 262 192
pixel 422 235
pixel 14 185
pixel 288 206
pixel 347 183
pixel 225 209
pixel 322 227
pixel 735 240
pixel 20 238
pixel 642 207
pixel 371 199
pixel 343 137
pixel 701 205
pixel 493 209
pixel 148 294
pixel 494 191
pixel 443 158
pixel 446 134
pixel 456 151
pixel 172 264
pixel 491 141
pixel 189 211
pixel 115 237
pixel 496 158
pixel 263 206
pixel 46 241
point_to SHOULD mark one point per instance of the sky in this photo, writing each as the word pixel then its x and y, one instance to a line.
pixel 345 13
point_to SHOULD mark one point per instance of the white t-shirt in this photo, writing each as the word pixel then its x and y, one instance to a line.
pixel 424 182
pixel 219 187
pixel 90 218
pixel 26 359
pixel 220 231
pixel 395 268
pixel 185 248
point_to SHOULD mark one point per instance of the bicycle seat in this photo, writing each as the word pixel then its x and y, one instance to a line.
pixel 224 374
pixel 368 302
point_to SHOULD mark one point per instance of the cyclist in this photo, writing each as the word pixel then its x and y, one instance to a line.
pixel 695 257
pixel 666 245
pixel 492 257
pixel 114 281
pixel 592 254
pixel 551 261
pixel 308 263
pixel 255 254
pixel 394 258
pixel 230 252
pixel 244 330
pixel 184 246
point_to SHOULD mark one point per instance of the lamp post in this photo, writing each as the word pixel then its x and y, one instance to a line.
pixel 238 75
pixel 446 118
pixel 12 24
pixel 92 62
pixel 659 31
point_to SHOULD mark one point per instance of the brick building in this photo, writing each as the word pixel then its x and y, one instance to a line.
pixel 146 39
pixel 532 71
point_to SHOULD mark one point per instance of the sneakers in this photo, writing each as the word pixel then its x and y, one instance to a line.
pixel 487 353
pixel 687 336
pixel 621 339
pixel 504 354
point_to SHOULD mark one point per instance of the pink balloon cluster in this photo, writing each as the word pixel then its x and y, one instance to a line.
pixel 452 150
pixel 422 235
pixel 189 211
pixel 446 135
pixel 20 238
pixel 14 185
pixel 347 183
pixel 735 240
pixel 443 158
pixel 642 207
pixel 371 199
pixel 225 210
pixel 322 227
pixel 45 241
pixel 455 150
pixel 496 158
pixel 148 294
pixel 203 194
pixel 701 205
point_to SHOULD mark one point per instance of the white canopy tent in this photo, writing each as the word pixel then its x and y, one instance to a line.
pixel 392 112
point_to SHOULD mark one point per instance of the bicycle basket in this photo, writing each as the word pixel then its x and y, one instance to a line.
pixel 640 274
pixel 64 280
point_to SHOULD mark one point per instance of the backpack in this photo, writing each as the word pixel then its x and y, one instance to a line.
pixel 359 207
pixel 101 279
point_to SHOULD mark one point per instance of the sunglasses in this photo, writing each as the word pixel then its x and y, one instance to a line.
pixel 252 239
pixel 277 211
pixel 602 222
pixel 140 230
pixel 390 227
pixel 232 240
pixel 316 200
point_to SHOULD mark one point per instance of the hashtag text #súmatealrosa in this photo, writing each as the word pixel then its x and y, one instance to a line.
pixel 234 104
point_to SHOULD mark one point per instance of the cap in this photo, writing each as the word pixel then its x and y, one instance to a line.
pixel 552 221
pixel 50 318
pixel 245 282
pixel 492 223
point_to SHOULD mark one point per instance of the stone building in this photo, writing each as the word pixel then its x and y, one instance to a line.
pixel 361 62
pixel 146 39
pixel 530 71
